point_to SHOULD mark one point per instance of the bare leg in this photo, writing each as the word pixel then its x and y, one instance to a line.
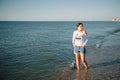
pixel 77 56
pixel 84 61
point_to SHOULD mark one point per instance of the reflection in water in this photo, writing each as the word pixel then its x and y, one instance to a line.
pixel 68 74
pixel 82 75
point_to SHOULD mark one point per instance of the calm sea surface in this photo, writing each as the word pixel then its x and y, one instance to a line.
pixel 39 50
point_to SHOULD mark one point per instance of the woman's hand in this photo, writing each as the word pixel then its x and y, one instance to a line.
pixel 83 45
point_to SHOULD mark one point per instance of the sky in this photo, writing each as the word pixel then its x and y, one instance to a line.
pixel 59 10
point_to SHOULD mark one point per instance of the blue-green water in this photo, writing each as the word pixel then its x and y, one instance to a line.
pixel 39 50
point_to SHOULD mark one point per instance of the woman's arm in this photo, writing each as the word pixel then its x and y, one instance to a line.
pixel 73 39
pixel 84 32
pixel 85 38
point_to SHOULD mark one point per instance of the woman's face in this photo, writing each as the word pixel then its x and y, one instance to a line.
pixel 80 28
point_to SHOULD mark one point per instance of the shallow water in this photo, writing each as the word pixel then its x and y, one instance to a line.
pixel 43 50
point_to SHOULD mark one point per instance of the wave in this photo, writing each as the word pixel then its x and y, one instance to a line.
pixel 114 32
pixel 104 39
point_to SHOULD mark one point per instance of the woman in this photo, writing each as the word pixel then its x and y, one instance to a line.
pixel 79 42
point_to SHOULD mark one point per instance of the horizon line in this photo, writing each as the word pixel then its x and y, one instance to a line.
pixel 50 20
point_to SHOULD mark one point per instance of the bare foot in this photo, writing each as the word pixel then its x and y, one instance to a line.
pixel 86 68
pixel 78 70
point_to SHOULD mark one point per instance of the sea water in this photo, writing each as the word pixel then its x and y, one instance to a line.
pixel 39 50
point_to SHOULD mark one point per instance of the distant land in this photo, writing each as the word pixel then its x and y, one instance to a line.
pixel 116 19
